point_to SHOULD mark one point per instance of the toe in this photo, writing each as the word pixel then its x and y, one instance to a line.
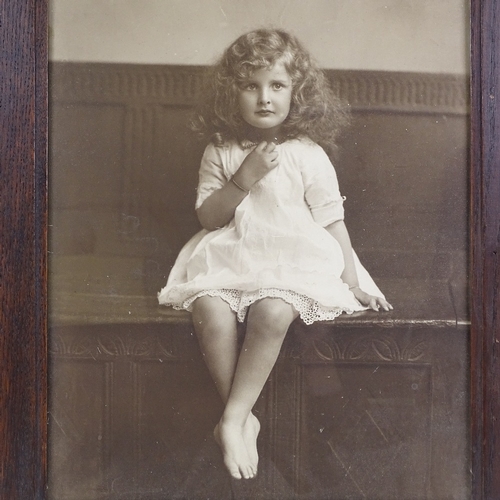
pixel 235 472
pixel 247 473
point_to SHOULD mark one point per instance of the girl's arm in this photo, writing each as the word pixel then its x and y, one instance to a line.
pixel 349 276
pixel 218 209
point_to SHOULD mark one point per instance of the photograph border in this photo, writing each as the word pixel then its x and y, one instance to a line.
pixel 23 242
pixel 484 289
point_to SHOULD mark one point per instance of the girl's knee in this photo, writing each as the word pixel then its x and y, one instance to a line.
pixel 272 316
pixel 212 312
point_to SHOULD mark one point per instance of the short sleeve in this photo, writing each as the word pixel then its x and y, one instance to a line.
pixel 322 192
pixel 211 175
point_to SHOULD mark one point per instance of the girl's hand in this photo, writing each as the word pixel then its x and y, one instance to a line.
pixel 371 301
pixel 257 164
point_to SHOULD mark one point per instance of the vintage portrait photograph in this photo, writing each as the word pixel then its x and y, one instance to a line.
pixel 258 250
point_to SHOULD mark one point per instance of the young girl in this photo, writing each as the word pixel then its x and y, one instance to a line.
pixel 274 245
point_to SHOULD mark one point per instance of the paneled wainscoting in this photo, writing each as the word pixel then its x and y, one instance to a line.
pixel 370 406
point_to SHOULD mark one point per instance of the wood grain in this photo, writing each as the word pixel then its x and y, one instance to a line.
pixel 23 161
pixel 485 258
pixel 23 142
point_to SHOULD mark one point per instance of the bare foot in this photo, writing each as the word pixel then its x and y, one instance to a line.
pixel 236 457
pixel 250 434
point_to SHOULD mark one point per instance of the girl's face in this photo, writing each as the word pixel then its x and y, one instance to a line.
pixel 264 99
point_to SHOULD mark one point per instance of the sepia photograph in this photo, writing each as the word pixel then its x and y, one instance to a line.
pixel 259 250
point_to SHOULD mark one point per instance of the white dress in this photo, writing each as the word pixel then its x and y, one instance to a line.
pixel 276 244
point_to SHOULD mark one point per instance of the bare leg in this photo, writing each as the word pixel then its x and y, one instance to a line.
pixel 268 322
pixel 215 325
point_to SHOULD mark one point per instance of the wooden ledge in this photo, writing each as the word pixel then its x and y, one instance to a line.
pixel 417 303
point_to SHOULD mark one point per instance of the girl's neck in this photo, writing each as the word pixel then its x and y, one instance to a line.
pixel 247 143
pixel 258 135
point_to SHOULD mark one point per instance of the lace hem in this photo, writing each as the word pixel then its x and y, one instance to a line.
pixel 309 310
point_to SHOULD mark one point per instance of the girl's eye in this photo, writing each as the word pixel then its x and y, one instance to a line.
pixel 250 86
pixel 277 86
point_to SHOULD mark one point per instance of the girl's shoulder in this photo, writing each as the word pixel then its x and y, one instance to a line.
pixel 222 146
pixel 303 141
pixel 217 151
pixel 305 146
pixel 225 155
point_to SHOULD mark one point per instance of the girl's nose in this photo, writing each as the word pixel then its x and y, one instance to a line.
pixel 264 98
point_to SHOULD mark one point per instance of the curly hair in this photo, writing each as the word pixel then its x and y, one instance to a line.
pixel 315 110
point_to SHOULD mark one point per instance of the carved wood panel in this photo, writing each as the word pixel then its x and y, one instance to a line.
pixel 347 413
pixel 354 426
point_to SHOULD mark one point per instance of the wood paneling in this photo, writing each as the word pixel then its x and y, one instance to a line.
pixel 120 136
pixel 348 413
pixel 124 165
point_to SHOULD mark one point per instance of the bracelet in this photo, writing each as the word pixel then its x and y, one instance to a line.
pixel 353 287
pixel 241 188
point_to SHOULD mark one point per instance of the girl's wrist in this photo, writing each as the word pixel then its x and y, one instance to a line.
pixel 242 180
pixel 239 186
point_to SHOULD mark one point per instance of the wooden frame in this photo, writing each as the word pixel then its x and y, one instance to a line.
pixel 23 223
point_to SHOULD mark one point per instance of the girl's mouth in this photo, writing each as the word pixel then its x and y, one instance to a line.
pixel 265 112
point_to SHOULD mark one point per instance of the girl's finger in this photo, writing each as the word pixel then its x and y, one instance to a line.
pixel 385 305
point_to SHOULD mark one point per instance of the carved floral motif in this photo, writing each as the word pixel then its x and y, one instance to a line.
pixel 105 346
pixel 374 346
